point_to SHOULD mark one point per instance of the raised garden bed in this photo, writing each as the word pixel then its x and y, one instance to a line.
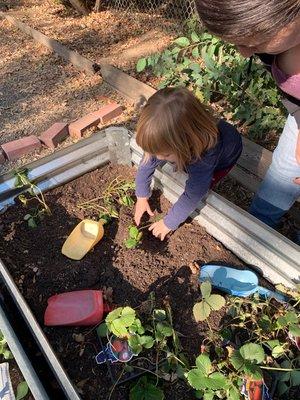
pixel 128 275
pixel 40 270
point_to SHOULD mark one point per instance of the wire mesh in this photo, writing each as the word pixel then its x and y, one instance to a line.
pixel 176 11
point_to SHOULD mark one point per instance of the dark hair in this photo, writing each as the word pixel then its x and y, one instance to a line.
pixel 246 18
pixel 174 120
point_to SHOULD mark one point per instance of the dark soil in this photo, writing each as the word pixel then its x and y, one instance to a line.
pixel 40 270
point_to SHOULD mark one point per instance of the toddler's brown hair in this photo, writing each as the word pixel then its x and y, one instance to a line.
pixel 175 121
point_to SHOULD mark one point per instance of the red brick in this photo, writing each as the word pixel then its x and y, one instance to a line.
pixel 2 157
pixel 55 134
pixel 102 115
pixel 109 112
pixel 17 148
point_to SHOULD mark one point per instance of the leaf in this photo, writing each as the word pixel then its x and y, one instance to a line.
pixel 195 67
pixel 203 363
pixel 118 328
pixel 208 395
pixel 134 343
pixel 144 390
pixel 141 64
pixel 159 315
pixel 127 316
pixel 146 341
pixel 195 52
pixel 205 288
pixel 130 243
pixel 291 317
pixel 31 223
pixel 215 301
pixel 133 232
pixel 196 379
pixel 294 330
pixel 195 38
pixel 282 388
pixel 201 311
pixel 22 390
pixel 282 322
pixel 237 360
pixel 113 315
pixel 182 41
pixel 216 381
pixel 252 352
pixel 7 354
pixel 102 330
pixel 164 329
pixel 233 394
pixel 252 370
pixel 277 351
pixel 295 377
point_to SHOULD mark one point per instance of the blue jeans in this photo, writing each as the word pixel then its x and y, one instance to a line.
pixel 277 192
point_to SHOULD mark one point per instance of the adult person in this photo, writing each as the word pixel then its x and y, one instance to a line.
pixel 271 30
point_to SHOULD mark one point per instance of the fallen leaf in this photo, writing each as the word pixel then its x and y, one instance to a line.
pixel 79 338
pixel 194 267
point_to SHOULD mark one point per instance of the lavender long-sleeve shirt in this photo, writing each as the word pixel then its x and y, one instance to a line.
pixel 200 174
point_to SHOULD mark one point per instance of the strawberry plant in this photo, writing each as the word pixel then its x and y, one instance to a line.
pixel 256 338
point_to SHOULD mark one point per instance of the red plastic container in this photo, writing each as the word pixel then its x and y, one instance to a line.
pixel 82 307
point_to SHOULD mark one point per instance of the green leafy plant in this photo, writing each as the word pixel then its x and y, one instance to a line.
pixel 32 194
pixel 256 336
pixel 210 302
pixel 4 350
pixel 152 339
pixel 216 73
pixel 145 389
pixel 209 381
pixel 135 236
pixel 118 192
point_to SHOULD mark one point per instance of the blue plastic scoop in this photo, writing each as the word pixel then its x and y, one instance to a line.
pixel 236 282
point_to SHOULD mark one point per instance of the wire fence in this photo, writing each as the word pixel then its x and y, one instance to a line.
pixel 176 11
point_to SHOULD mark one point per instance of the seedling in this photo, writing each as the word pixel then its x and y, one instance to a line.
pixel 4 350
pixel 135 236
pixel 37 213
pixel 119 191
pixel 210 302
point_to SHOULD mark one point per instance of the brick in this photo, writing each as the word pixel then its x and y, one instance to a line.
pixel 102 115
pixel 2 157
pixel 109 112
pixel 56 134
pixel 17 148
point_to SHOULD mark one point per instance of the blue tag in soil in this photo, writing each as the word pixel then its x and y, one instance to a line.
pixel 111 355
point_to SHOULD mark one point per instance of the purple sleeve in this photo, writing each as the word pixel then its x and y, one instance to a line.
pixel 197 185
pixel 144 176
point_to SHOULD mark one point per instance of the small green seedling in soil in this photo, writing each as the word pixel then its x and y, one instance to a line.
pixel 210 302
pixel 146 389
pixel 37 213
pixel 4 350
pixel 135 236
pixel 119 191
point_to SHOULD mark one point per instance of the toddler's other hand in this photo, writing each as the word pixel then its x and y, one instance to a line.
pixel 159 229
pixel 297 181
pixel 141 207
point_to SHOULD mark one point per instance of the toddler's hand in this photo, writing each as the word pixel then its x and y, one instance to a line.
pixel 159 229
pixel 141 207
pixel 297 181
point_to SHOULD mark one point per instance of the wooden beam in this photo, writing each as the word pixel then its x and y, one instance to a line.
pixel 129 87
